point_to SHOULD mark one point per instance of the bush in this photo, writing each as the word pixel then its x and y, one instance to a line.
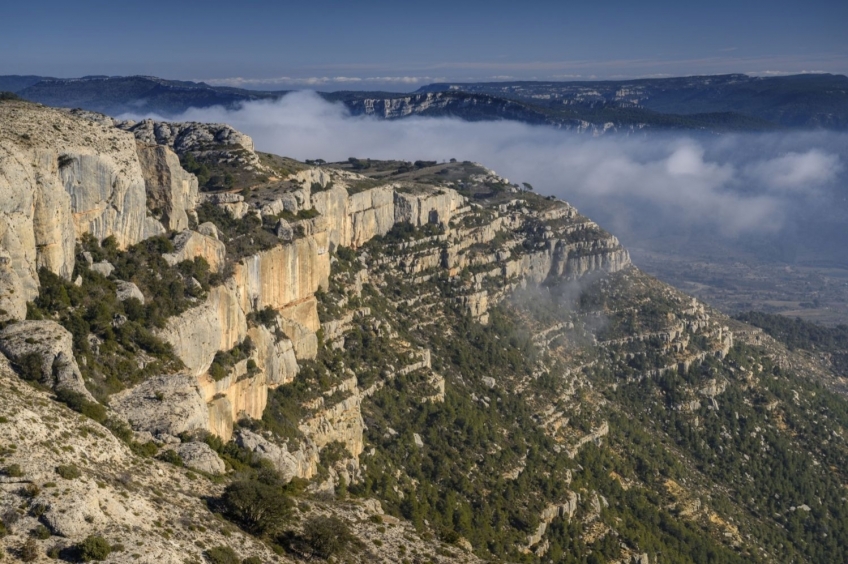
pixel 81 404
pixel 40 532
pixel 29 551
pixel 29 367
pixel 172 457
pixel 252 560
pixel 13 471
pixel 68 472
pixel 257 507
pixel 94 547
pixel 222 555
pixel 326 536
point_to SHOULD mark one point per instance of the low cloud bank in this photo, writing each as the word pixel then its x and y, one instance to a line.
pixel 638 186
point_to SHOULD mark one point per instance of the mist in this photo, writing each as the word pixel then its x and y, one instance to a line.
pixel 642 187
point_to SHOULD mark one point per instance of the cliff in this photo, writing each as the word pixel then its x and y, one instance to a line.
pixel 62 177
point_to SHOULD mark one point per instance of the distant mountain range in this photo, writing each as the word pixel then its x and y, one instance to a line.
pixel 716 103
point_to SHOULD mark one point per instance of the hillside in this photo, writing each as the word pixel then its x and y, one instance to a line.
pixel 373 361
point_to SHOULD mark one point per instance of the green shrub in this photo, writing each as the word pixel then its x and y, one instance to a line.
pixel 40 532
pixel 29 551
pixel 172 457
pixel 28 367
pixel 252 560
pixel 257 507
pixel 68 472
pixel 326 536
pixel 81 404
pixel 222 555
pixel 94 547
pixel 13 471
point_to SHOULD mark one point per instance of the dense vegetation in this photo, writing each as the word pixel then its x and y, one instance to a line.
pixel 109 335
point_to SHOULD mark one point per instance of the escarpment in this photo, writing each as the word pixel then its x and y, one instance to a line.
pixel 62 177
pixel 472 360
pixel 122 180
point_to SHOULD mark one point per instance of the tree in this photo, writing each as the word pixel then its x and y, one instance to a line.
pixel 257 507
pixel 94 547
pixel 527 186
pixel 326 536
pixel 222 555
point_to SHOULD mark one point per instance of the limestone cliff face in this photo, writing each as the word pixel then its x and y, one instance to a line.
pixel 62 176
pixel 170 190
pixel 427 206
pixel 341 421
pixel 285 279
pixel 355 219
pixel 243 393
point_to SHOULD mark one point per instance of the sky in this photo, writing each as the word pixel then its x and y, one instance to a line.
pixel 377 44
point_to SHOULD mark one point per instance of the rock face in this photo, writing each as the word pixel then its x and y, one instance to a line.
pixel 170 190
pixel 427 205
pixel 191 244
pixel 62 176
pixel 52 345
pixel 163 405
pixel 301 463
pixel 127 290
pixel 200 456
pixel 355 219
pixel 340 422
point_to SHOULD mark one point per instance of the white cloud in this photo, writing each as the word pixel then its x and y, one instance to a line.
pixel 797 171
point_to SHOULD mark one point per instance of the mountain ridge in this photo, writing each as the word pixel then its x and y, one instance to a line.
pixel 715 103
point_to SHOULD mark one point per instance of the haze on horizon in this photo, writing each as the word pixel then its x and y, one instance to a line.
pixel 331 45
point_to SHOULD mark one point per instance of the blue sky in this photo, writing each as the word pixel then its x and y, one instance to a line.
pixel 331 45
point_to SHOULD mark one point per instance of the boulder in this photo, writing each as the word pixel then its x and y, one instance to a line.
pixel 209 229
pixel 53 345
pixel 127 290
pixel 201 457
pixel 163 405
pixel 284 230
pixel 103 267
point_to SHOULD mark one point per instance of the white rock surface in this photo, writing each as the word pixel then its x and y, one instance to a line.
pixel 200 456
pixel 163 405
pixel 53 344
pixel 127 290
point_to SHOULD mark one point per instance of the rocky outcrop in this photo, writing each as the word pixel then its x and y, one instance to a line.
pixel 51 347
pixel 186 136
pixel 199 456
pixel 62 176
pixel 171 191
pixel 128 290
pixel 189 245
pixel 427 205
pixel 163 405
pixel 302 463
